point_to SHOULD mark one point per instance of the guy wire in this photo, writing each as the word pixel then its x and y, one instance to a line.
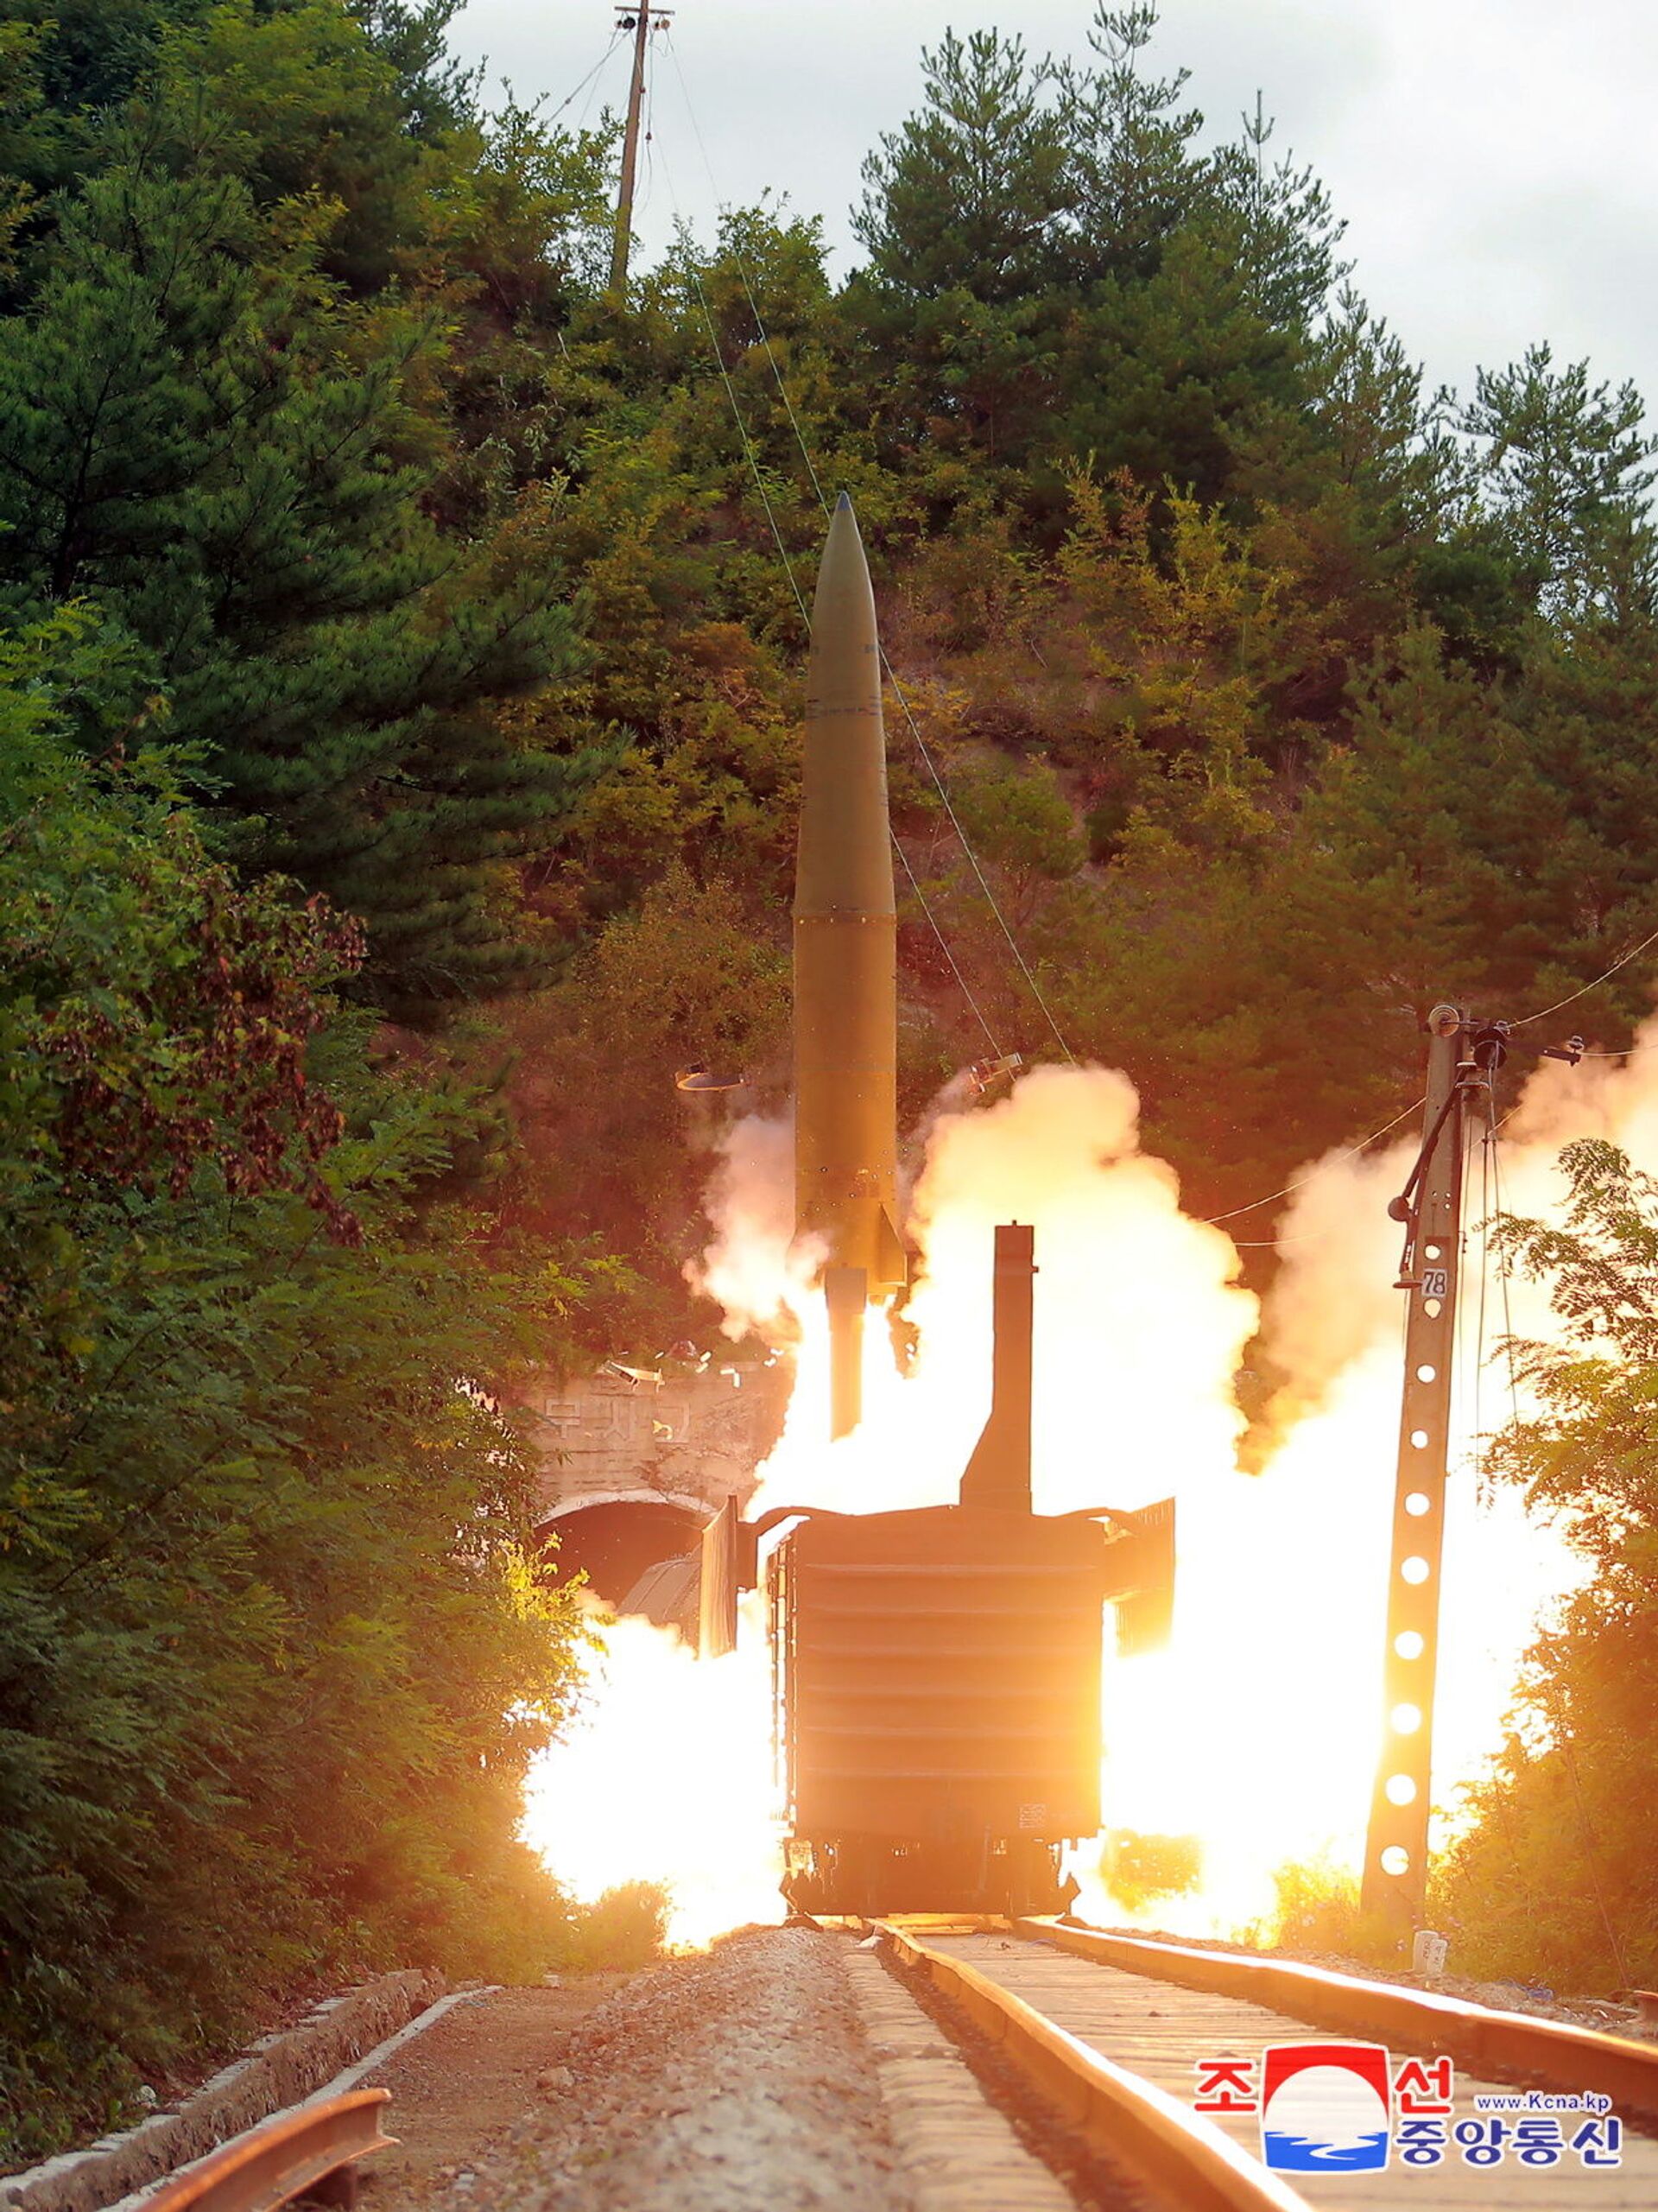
pixel 587 84
pixel 1504 1268
pixel 891 674
pixel 799 602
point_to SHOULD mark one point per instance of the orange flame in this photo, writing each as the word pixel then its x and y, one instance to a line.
pixel 1256 1731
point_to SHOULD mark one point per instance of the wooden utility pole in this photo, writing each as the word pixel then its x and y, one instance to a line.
pixel 1395 1852
pixel 640 25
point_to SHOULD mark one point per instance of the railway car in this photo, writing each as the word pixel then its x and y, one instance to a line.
pixel 936 1679
pixel 936 1672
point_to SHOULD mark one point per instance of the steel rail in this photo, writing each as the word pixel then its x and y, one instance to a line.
pixel 310 2149
pixel 1504 2046
pixel 1118 2114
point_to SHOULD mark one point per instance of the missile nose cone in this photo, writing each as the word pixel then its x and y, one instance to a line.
pixel 843 676
pixel 845 863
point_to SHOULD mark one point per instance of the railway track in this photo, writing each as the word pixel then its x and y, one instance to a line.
pixel 976 2065
pixel 1123 2041
pixel 309 2154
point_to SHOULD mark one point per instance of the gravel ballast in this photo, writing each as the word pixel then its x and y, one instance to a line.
pixel 739 2082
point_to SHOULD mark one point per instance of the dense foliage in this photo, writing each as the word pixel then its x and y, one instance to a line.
pixel 399 684
pixel 1557 1880
pixel 272 1652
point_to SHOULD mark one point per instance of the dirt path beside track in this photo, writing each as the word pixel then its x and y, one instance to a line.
pixel 458 2089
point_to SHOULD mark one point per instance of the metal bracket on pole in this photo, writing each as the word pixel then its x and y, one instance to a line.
pixel 1395 1852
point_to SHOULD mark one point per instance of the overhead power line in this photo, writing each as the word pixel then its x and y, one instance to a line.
pixel 755 470
pixel 1635 951
pixel 588 78
pixel 921 746
pixel 1347 1153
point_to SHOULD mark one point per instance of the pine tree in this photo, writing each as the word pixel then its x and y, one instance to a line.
pixel 962 219
pixel 967 195
pixel 1386 439
pixel 1566 464
pixel 201 431
pixel 1287 230
pixel 1138 179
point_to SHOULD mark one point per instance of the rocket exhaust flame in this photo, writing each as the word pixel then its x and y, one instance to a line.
pixel 1255 1731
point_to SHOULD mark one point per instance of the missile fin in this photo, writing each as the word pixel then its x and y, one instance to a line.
pixel 892 1254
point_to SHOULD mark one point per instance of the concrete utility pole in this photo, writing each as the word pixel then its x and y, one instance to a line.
pixel 642 25
pixel 1395 1852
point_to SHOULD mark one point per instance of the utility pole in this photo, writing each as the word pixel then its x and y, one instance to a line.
pixel 1396 1851
pixel 642 25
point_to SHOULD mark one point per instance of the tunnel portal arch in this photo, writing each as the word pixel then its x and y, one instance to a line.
pixel 633 1461
pixel 614 1538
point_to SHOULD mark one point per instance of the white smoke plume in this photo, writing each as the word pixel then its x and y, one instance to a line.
pixel 752 1267
pixel 1139 1318
pixel 1258 1729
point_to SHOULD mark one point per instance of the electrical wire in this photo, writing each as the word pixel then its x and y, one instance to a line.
pixel 1458 1433
pixel 1348 1153
pixel 649 132
pixel 748 289
pixel 695 274
pixel 587 81
pixel 891 673
pixel 1505 1270
pixel 972 860
pixel 944 947
pixel 742 428
pixel 1635 951
pixel 1485 1146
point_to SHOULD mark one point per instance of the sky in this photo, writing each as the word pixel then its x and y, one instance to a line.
pixel 1497 159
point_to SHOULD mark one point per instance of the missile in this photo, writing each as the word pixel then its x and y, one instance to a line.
pixel 846 969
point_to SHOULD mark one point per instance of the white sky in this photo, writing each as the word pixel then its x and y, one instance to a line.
pixel 1497 159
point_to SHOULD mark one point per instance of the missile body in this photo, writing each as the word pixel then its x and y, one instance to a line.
pixel 845 966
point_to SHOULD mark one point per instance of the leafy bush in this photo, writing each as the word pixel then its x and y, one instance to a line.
pixel 272 1652
pixel 623 1930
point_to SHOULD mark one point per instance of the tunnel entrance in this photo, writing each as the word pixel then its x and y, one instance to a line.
pixel 614 1543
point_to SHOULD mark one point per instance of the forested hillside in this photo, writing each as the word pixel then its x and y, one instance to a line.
pixel 398 705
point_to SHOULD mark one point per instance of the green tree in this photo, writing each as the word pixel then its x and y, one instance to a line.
pixel 197 428
pixel 962 218
pixel 264 1542
pixel 438 94
pixel 966 197
pixel 1565 466
pixel 1557 1878
pixel 1288 230
pixel 1021 822
pixel 1139 178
